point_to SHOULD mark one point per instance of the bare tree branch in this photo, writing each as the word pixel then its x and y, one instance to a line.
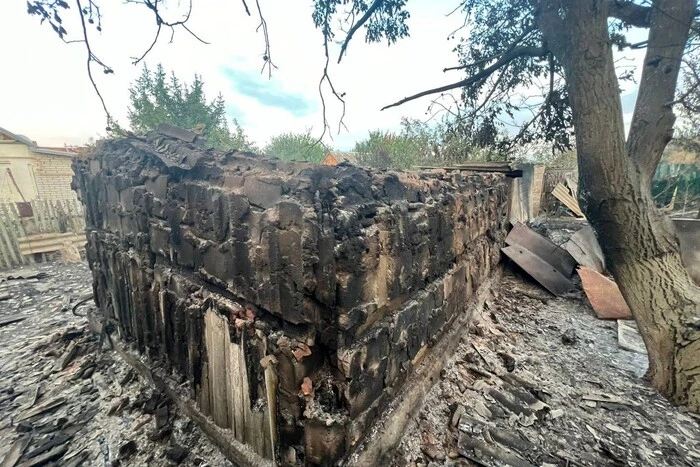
pixel 515 53
pixel 683 98
pixel 92 58
pixel 153 6
pixel 370 11
pixel 490 94
pixel 267 58
pixel 630 13
pixel 508 49
pixel 325 77
pixel 457 8
pixel 245 5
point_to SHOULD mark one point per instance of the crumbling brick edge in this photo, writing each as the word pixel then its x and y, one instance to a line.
pixel 388 429
pixel 385 432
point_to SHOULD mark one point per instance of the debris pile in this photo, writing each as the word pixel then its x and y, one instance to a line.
pixel 291 300
pixel 540 381
pixel 64 401
pixel 552 267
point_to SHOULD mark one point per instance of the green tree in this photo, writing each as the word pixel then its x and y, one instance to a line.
pixel 387 150
pixel 420 143
pixel 453 140
pixel 296 147
pixel 156 98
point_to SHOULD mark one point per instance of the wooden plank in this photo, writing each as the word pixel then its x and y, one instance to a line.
pixel 45 214
pixel 476 167
pixel 21 232
pixel 11 319
pixel 271 388
pixel 54 242
pixel 688 233
pixel 71 214
pixel 539 269
pixel 237 452
pixel 4 248
pixel 230 402
pixel 38 208
pixel 14 256
pixel 16 450
pixel 36 216
pixel 54 216
pixel 13 228
pixel 237 390
pixel 562 194
pixel 584 247
pixel 629 338
pixel 47 236
pixel 61 218
pixel 204 390
pixel 216 356
pixel 558 257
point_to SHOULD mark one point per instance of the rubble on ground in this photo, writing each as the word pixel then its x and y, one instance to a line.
pixel 522 391
pixel 539 380
pixel 64 402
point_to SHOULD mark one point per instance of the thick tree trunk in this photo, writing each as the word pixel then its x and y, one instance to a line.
pixel 639 242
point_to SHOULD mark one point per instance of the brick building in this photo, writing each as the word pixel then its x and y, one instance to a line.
pixel 29 172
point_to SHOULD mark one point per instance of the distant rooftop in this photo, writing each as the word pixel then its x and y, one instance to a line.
pixel 56 151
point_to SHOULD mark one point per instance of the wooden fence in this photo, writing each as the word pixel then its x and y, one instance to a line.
pixel 30 229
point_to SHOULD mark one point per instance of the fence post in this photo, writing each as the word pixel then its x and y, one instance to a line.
pixel 5 233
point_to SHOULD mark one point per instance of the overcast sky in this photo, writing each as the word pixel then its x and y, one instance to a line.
pixel 46 95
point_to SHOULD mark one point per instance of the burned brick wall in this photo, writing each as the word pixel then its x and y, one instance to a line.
pixel 293 299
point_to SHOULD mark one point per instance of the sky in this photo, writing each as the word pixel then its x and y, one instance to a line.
pixel 46 94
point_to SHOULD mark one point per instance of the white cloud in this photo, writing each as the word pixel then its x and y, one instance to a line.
pixel 46 93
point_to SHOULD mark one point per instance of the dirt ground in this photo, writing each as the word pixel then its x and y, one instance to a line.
pixel 541 381
pixel 538 381
pixel 63 402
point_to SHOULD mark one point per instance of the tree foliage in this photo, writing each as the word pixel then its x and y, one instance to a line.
pixel 296 147
pixel 689 104
pixel 388 150
pixel 420 143
pixel 156 98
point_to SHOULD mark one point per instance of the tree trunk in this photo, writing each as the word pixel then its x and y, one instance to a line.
pixel 638 241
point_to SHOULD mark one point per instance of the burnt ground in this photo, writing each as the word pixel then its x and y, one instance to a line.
pixel 63 402
pixel 541 381
pixel 538 381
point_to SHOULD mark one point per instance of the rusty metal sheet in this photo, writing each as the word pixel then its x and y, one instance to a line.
pixel 539 269
pixel 584 247
pixel 604 295
pixel 553 254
